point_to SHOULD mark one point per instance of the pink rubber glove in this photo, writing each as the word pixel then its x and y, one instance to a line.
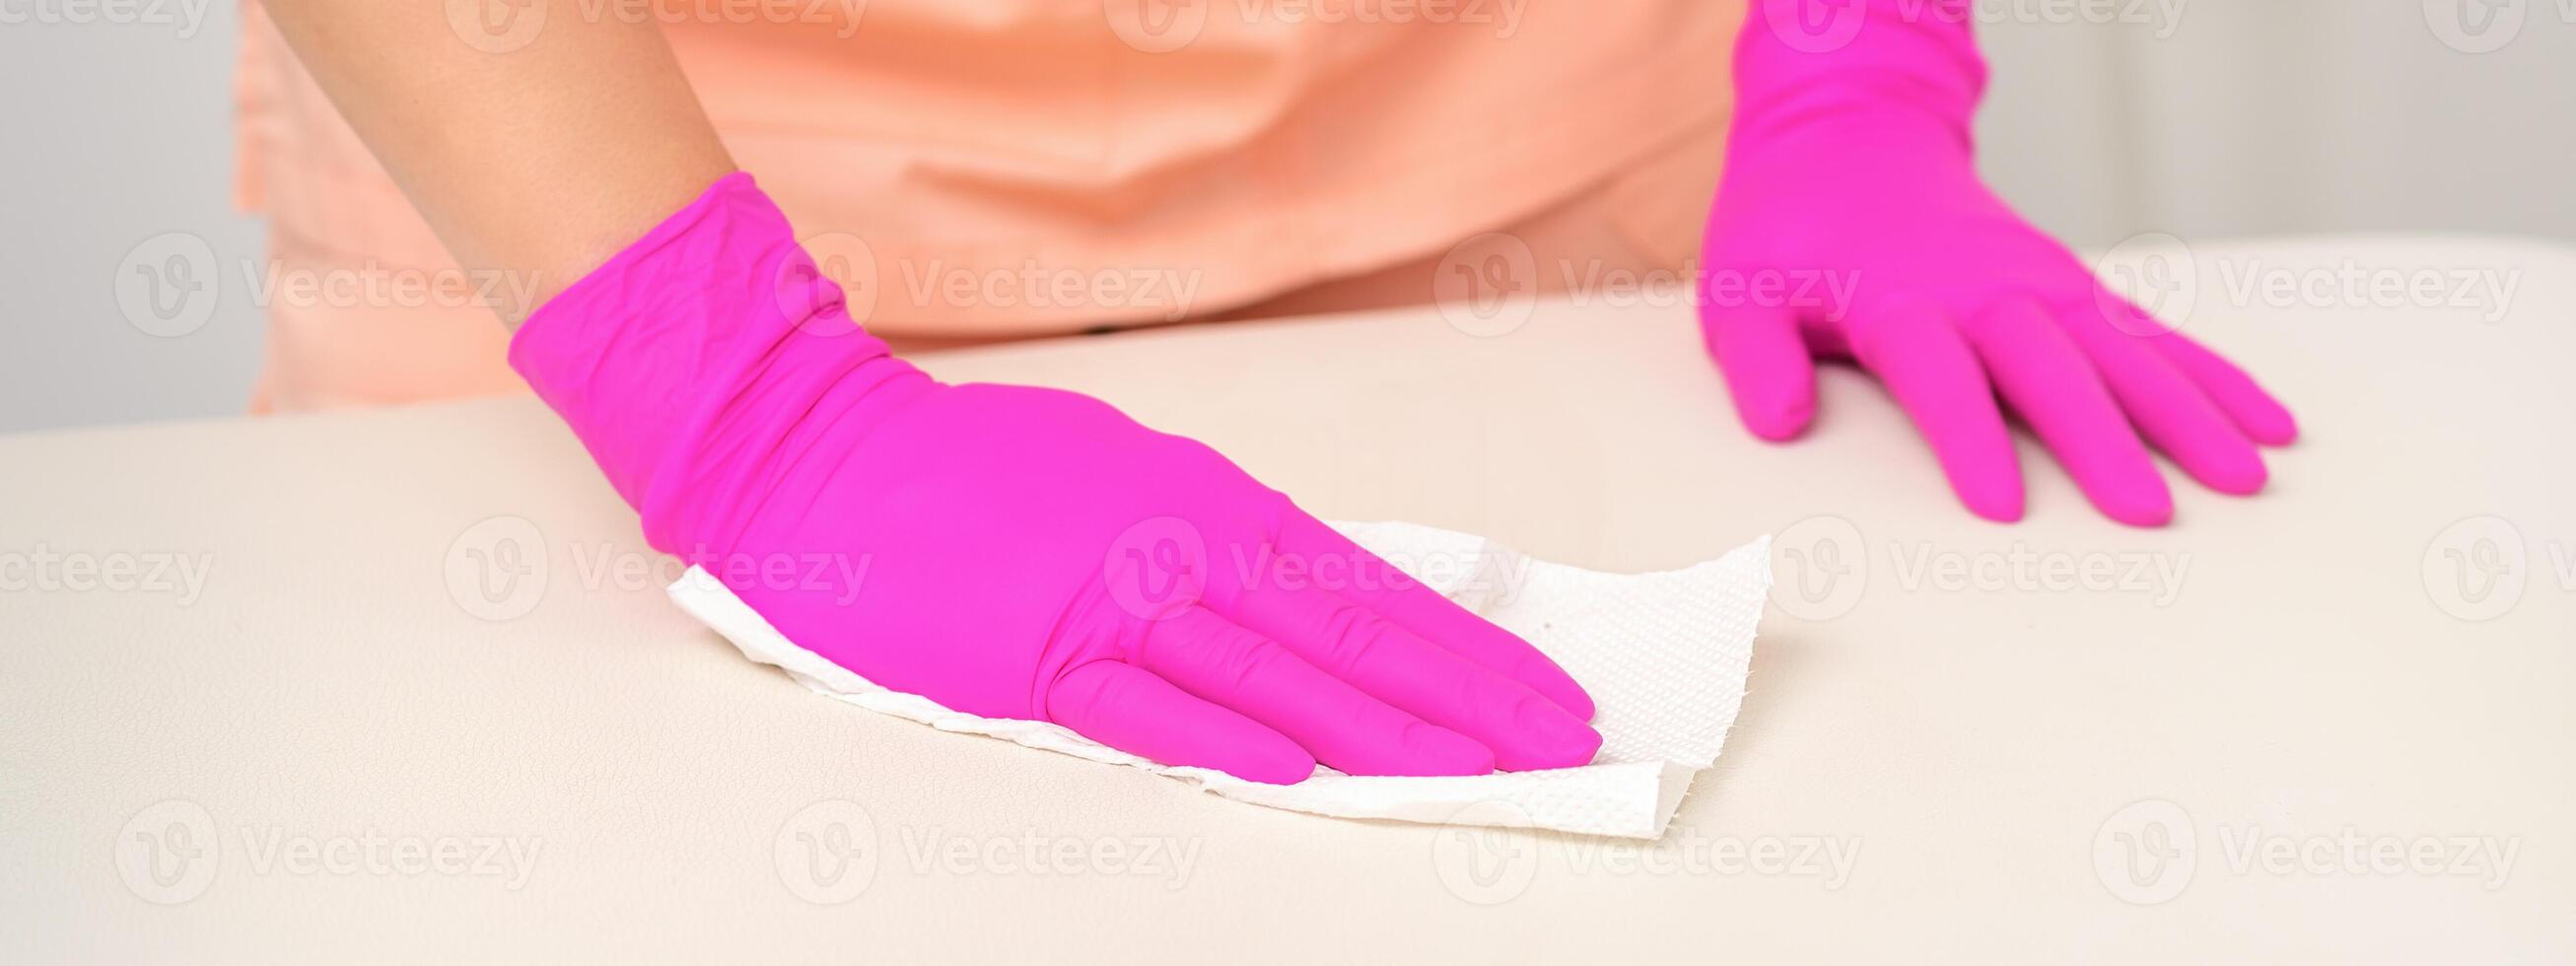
pixel 1026 553
pixel 1850 171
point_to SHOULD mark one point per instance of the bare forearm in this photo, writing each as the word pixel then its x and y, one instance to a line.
pixel 545 159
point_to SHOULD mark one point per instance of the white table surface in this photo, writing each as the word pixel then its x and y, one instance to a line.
pixel 1969 739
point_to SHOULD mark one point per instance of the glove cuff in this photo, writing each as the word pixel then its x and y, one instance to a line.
pixel 1798 59
pixel 699 357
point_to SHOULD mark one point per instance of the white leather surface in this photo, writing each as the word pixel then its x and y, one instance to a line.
pixel 1973 739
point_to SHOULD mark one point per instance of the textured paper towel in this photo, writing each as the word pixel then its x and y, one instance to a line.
pixel 1664 656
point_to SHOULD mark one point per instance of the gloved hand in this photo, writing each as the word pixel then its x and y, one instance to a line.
pixel 1022 553
pixel 1850 174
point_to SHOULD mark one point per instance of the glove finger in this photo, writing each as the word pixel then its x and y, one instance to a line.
pixel 1343 727
pixel 1937 380
pixel 2261 417
pixel 1525 730
pixel 2167 407
pixel 1765 361
pixel 2051 384
pixel 1392 594
pixel 1128 708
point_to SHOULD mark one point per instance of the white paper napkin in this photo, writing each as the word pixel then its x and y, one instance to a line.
pixel 1664 656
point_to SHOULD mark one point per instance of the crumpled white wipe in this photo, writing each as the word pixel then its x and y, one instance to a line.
pixel 1664 656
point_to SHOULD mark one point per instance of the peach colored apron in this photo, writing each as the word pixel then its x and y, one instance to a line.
pixel 993 169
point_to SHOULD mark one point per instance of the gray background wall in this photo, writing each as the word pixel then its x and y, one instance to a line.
pixel 2201 118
